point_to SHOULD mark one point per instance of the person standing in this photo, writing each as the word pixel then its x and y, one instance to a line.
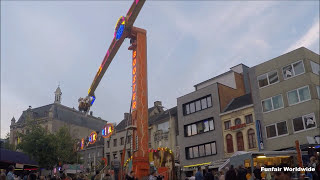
pixel 231 174
pixel 242 173
pixel 221 177
pixel 209 175
pixel 257 172
pixel 199 175
pixel 10 175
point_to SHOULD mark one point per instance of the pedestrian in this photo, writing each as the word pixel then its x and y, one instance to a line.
pixel 209 175
pixel 32 176
pixel 221 177
pixel 257 172
pixel 242 173
pixel 3 175
pixel 130 176
pixel 10 175
pixel 231 174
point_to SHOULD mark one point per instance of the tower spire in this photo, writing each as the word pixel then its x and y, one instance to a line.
pixel 58 93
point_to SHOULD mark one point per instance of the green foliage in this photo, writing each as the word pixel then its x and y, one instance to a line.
pixel 46 148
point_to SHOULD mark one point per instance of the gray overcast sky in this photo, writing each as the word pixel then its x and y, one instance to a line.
pixel 44 43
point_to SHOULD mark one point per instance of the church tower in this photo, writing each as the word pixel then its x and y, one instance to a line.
pixel 58 93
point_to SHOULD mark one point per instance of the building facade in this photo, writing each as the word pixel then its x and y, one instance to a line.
pixel 199 121
pixel 285 93
pixel 54 116
pixel 239 127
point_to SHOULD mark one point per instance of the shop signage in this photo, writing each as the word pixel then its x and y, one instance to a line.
pixel 238 126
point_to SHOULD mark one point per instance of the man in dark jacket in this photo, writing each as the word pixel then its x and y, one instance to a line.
pixel 231 174
pixel 242 173
pixel 257 172
pixel 209 175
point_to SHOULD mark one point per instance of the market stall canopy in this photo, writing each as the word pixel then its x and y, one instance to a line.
pixel 13 157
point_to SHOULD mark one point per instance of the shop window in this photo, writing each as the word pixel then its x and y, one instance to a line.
pixel 304 123
pixel 240 143
pixel 251 139
pixel 299 95
pixel 229 143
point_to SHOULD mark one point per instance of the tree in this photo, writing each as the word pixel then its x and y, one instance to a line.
pixel 46 148
pixel 39 145
pixel 66 152
pixel 7 144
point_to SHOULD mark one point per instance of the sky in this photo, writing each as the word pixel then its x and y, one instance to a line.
pixel 44 44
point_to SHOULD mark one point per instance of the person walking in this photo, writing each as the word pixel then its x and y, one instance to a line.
pixel 231 174
pixel 209 175
pixel 257 172
pixel 199 175
pixel 10 175
pixel 221 177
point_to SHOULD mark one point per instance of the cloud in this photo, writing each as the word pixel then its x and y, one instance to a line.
pixel 310 38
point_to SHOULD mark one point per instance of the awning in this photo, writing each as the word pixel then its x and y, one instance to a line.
pixel 13 157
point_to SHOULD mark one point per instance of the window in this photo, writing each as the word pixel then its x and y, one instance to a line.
pixel 272 103
pixel 318 91
pixel 114 142
pixel 249 119
pixel 227 125
pixel 108 144
pixel 277 129
pixel 164 126
pixel 129 139
pixel 293 69
pixel 315 67
pixel 199 127
pixel 237 121
pixel 268 78
pixel 299 95
pixel 197 105
pixel 251 139
pixel 240 143
pixel 304 123
pixel 201 150
pixel 122 141
pixel 114 156
pixel 229 143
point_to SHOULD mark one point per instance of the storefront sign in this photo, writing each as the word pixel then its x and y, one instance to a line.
pixel 259 135
pixel 238 126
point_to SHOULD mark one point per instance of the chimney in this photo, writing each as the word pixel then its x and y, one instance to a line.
pixel 126 115
pixel 157 103
pixel 29 107
pixel 91 113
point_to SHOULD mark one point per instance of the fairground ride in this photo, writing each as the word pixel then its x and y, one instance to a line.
pixel 139 102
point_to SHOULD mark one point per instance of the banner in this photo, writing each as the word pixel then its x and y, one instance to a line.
pixel 259 135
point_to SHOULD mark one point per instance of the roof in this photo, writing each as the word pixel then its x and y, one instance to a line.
pixel 63 113
pixel 163 115
pixel 239 102
pixel 16 157
pixel 152 118
pixel 230 71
